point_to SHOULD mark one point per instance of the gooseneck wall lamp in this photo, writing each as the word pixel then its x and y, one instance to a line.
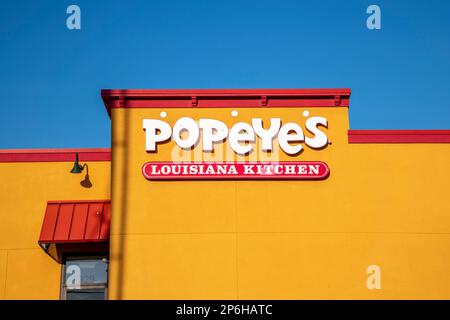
pixel 77 168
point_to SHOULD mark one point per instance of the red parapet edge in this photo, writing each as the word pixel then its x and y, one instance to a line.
pixel 224 98
pixel 399 136
pixel 55 155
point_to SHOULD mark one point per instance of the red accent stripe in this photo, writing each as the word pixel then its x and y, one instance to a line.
pixel 225 98
pixel 173 93
pixel 55 155
pixel 399 136
pixel 76 221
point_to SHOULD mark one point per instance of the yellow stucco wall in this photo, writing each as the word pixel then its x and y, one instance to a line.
pixel 26 271
pixel 383 204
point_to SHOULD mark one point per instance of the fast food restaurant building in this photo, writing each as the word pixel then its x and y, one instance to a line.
pixel 229 194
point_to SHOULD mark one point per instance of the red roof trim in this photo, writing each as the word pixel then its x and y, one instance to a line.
pixel 225 98
pixel 55 155
pixel 77 201
pixel 399 136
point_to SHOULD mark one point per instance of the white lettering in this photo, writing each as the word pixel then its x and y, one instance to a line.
pixel 213 131
pixel 151 126
pixel 241 132
pixel 189 125
pixel 285 137
pixel 320 138
pixel 266 135
pixel 241 136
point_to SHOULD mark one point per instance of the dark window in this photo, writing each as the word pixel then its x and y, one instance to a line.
pixel 85 278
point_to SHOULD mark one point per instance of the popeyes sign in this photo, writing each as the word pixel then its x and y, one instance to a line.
pixel 241 137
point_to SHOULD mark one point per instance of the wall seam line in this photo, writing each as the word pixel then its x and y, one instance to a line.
pixel 6 275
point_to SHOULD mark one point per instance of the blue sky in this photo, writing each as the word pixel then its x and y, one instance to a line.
pixel 50 77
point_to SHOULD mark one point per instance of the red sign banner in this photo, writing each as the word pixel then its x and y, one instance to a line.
pixel 303 170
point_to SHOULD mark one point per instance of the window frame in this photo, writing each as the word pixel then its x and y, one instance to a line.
pixel 97 256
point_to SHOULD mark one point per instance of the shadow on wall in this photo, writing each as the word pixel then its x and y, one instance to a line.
pixel 86 183
pixel 123 145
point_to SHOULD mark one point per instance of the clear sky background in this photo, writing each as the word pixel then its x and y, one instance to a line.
pixel 50 77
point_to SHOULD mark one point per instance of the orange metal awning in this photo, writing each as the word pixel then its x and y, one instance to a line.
pixel 76 225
